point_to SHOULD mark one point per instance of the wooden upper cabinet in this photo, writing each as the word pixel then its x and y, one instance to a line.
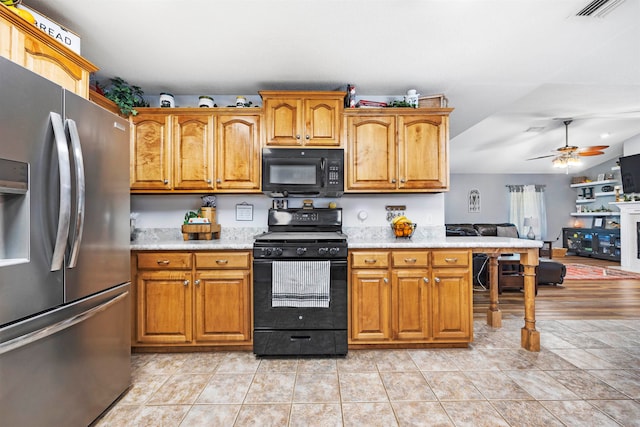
pixel 190 150
pixel 397 151
pixel 371 153
pixel 303 118
pixel 238 159
pixel 151 153
pixel 26 45
pixel 193 151
pixel 423 152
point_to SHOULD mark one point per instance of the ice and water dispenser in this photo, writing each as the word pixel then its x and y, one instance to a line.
pixel 14 212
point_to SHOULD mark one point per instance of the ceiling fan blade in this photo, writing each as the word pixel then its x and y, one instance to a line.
pixel 593 148
pixel 542 157
pixel 590 153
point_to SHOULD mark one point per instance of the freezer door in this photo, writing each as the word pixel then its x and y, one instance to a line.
pixel 29 221
pixel 99 239
pixel 65 367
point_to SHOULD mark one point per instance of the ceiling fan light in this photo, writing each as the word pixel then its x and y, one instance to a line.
pixel 574 161
pixel 559 162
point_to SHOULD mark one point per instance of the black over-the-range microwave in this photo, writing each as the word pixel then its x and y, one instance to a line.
pixel 302 172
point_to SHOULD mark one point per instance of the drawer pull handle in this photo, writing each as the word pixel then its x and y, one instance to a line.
pixel 222 261
pixel 163 262
pixel 300 338
pixel 451 260
pixel 370 261
pixel 410 260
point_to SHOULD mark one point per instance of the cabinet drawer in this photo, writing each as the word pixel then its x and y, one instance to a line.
pixel 223 260
pixel 369 259
pixel 410 259
pixel 450 258
pixel 168 260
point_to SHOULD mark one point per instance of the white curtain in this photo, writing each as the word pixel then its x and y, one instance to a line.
pixel 527 202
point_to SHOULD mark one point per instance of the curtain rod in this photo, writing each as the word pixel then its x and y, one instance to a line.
pixel 520 187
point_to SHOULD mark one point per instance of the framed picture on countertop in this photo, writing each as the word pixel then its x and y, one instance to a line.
pixel 598 222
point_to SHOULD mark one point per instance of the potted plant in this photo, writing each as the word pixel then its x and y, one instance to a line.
pixel 126 96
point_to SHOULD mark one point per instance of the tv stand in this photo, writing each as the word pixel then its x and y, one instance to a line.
pixel 598 243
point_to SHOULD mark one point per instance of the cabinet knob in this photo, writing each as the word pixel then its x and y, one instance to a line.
pixel 186 283
pixel 425 279
pixel 385 280
pixel 437 280
pixel 402 180
pixel 166 181
pixel 197 282
pixel 218 180
pixel 208 181
pixel 297 136
pixel 393 181
pixel 307 137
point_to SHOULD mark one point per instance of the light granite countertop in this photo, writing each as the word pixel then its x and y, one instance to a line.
pixel 149 239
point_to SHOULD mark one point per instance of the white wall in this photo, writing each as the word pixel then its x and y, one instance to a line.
pixel 631 146
pixel 167 211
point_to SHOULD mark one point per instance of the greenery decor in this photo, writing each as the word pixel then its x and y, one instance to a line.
pixel 126 96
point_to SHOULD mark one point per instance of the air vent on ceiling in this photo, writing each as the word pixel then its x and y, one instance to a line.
pixel 599 8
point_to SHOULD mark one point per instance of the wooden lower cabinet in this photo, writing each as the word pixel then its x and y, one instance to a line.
pixel 404 297
pixel 198 298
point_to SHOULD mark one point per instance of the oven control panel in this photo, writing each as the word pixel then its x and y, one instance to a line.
pixel 327 251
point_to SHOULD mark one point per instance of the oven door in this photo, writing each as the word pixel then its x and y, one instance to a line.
pixel 301 318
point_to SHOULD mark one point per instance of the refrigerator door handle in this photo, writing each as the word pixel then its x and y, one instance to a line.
pixel 34 336
pixel 64 215
pixel 78 223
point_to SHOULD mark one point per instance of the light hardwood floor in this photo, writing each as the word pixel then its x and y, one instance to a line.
pixel 574 299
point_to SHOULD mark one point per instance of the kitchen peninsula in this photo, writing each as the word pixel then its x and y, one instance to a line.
pixel 442 263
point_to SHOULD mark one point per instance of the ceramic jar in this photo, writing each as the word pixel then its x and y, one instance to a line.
pixel 205 101
pixel 167 100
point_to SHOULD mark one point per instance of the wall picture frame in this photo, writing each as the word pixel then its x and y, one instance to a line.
pixel 600 177
pixel 474 200
pixel 598 222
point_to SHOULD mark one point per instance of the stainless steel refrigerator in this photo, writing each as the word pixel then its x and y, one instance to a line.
pixel 64 254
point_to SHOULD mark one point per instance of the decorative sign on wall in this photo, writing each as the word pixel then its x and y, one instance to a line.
pixel 244 212
pixel 474 200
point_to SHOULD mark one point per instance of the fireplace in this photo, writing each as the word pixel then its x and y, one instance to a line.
pixel 629 235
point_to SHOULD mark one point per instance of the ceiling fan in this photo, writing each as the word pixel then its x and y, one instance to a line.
pixel 569 155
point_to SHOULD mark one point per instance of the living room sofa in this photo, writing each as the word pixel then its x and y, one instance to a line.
pixel 547 272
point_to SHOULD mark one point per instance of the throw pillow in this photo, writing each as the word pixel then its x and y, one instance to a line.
pixel 510 231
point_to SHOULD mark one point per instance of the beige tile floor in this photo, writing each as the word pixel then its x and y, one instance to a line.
pixel 586 374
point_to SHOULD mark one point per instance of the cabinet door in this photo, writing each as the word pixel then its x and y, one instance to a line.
pixel 451 304
pixel 238 152
pixel 163 307
pixel 49 63
pixel 193 151
pixel 423 147
pixel 371 153
pixel 284 121
pixel 410 314
pixel 151 153
pixel 370 305
pixel 322 122
pixel 222 306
